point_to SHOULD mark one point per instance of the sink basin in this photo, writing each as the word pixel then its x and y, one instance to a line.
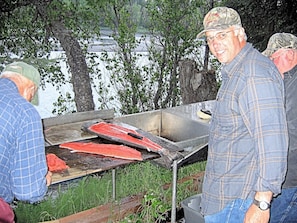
pixel 182 131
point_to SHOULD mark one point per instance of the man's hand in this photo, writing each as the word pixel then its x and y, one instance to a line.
pixel 256 215
pixel 48 178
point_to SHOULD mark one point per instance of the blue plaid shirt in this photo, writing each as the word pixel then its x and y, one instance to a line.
pixel 22 153
pixel 248 139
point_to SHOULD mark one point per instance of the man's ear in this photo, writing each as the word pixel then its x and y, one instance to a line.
pixel 29 92
pixel 290 54
pixel 239 32
pixel 242 33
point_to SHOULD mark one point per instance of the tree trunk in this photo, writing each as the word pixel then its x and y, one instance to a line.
pixel 80 80
pixel 78 67
pixel 196 85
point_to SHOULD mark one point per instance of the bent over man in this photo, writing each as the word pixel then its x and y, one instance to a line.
pixel 23 168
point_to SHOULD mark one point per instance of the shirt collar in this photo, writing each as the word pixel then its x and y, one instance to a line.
pixel 229 68
pixel 291 73
pixel 10 83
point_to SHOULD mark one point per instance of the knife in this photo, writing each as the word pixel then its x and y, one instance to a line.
pixel 136 136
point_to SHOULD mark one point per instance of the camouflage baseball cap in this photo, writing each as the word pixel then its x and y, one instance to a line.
pixel 220 18
pixel 27 71
pixel 280 41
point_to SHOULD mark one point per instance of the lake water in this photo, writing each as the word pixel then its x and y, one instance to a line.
pixel 106 43
pixel 50 95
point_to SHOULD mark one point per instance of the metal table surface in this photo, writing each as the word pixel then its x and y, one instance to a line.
pixel 193 135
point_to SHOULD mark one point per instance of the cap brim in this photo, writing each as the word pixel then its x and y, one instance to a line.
pixel 217 28
pixel 267 52
pixel 201 34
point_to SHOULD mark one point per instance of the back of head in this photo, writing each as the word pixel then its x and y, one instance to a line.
pixel 25 70
pixel 280 41
pixel 220 18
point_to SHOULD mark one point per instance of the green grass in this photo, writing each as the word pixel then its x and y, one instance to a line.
pixel 95 190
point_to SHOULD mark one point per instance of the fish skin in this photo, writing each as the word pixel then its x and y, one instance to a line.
pixel 110 150
pixel 119 133
pixel 112 130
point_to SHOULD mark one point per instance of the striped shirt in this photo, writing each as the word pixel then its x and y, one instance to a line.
pixel 22 153
pixel 248 133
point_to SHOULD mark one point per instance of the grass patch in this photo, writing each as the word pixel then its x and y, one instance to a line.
pixel 95 190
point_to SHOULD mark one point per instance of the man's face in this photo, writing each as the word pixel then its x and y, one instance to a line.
pixel 280 60
pixel 225 44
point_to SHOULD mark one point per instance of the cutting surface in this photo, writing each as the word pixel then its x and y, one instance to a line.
pixel 82 164
pixel 69 132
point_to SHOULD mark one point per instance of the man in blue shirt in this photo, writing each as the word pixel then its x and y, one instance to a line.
pixel 248 141
pixel 23 168
pixel 282 50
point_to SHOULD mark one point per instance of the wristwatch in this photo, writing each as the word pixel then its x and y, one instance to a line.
pixel 263 205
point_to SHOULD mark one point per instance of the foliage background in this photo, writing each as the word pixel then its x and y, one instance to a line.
pixel 30 30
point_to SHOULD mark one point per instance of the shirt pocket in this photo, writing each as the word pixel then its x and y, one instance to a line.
pixel 225 119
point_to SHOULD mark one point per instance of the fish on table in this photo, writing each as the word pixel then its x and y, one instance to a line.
pixel 109 150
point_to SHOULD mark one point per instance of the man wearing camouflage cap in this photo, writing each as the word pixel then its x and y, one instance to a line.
pixel 282 50
pixel 248 141
pixel 23 173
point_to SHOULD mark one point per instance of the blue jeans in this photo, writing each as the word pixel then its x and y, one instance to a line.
pixel 232 213
pixel 284 207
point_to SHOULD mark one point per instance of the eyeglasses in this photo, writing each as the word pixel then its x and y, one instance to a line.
pixel 218 36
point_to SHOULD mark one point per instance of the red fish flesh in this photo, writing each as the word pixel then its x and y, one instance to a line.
pixel 55 164
pixel 124 135
pixel 110 150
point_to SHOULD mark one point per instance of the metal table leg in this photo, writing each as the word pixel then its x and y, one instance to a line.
pixel 113 184
pixel 174 182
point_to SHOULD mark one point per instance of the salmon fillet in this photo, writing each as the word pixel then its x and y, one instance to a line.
pixel 110 150
pixel 55 164
pixel 126 135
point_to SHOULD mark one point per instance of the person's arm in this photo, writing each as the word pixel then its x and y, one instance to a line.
pixel 30 167
pixel 266 121
pixel 264 196
pixel 254 213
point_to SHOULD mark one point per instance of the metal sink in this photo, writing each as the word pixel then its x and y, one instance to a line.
pixel 182 131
